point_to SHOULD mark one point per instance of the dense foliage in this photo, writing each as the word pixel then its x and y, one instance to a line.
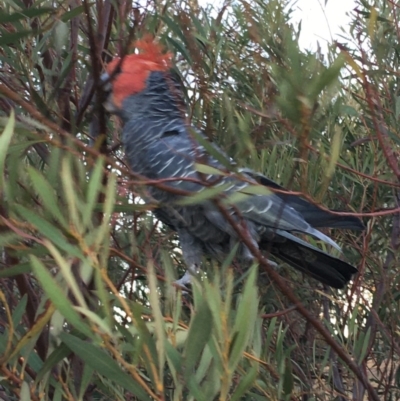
pixel 88 308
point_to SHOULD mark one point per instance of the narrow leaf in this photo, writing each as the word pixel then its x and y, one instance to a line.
pixel 24 14
pixel 48 230
pixel 205 169
pixel 245 384
pixel 47 194
pixel 61 352
pixel 103 364
pixel 33 332
pixel 58 297
pixel 199 334
pixel 245 320
pixel 5 140
pixel 21 268
pixel 204 195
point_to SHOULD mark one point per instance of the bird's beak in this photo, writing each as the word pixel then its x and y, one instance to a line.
pixel 105 82
pixel 106 86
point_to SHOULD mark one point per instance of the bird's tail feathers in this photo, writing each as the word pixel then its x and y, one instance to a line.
pixel 315 233
pixel 312 261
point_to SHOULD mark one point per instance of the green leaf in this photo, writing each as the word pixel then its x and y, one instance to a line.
pixel 19 310
pixel 8 39
pixel 108 208
pixel 15 270
pixel 48 230
pixel 235 198
pixel 57 295
pixel 204 365
pixel 204 195
pixel 199 333
pixel 86 379
pixel 67 273
pixel 61 33
pixel 245 384
pixel 178 46
pixel 17 148
pixel 211 386
pixel 96 319
pixel 364 340
pixel 205 169
pixel 5 140
pixel 328 77
pixel 93 189
pixel 70 192
pixel 256 190
pixel 24 14
pixel 352 112
pixel 335 152
pixel 61 352
pixel 245 319
pixel 214 298
pixel 74 12
pixel 173 356
pixel 58 392
pixel 8 238
pixel 288 381
pixel 25 394
pixel 103 364
pixel 158 317
pixel 146 338
pixel 196 391
pixel 47 195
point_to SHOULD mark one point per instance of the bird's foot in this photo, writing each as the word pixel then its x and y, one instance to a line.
pixel 184 281
pixel 272 263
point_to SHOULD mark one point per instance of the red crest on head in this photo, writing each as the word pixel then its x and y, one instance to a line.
pixel 135 68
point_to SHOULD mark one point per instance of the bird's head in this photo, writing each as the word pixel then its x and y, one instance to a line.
pixel 130 75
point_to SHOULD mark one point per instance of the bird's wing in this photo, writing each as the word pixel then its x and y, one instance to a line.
pixel 272 212
pixel 311 213
pixel 174 155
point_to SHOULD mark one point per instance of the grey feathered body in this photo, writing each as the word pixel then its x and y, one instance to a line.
pixel 159 145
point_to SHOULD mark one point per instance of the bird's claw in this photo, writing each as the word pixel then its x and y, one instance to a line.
pixel 184 281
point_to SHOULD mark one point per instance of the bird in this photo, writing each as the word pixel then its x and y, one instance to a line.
pixel 162 145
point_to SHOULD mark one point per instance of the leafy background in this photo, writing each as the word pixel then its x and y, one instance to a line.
pixel 88 311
